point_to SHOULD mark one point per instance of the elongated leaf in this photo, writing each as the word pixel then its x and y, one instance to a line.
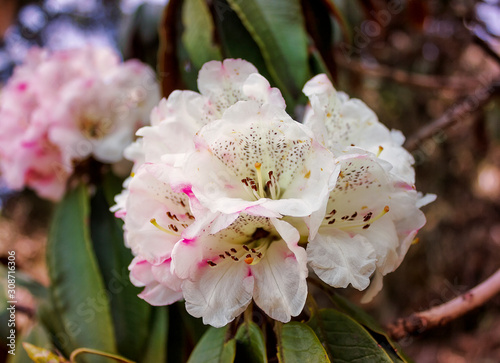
pixel 156 349
pixel 250 344
pixel 278 29
pixel 77 289
pixel 345 339
pixel 213 348
pixel 298 343
pixel 236 41
pixel 130 314
pixel 198 33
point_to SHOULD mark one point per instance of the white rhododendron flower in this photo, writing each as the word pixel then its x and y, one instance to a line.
pixel 232 199
pixel 61 108
pixel 372 213
pixel 340 122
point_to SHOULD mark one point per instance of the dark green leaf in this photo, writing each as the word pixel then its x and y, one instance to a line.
pixel 357 313
pixel 371 325
pixel 77 288
pixel 130 314
pixel 213 348
pixel 298 343
pixel 345 339
pixel 250 344
pixel 278 29
pixel 198 33
pixel 236 41
pixel 155 351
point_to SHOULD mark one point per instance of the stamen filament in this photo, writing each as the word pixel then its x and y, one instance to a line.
pixel 154 223
pixel 259 179
pixel 366 223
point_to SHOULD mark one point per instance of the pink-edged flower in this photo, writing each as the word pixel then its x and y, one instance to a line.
pixel 257 160
pixel 224 267
pixel 60 108
pixel 372 213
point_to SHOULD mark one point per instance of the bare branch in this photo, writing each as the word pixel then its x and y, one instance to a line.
pixel 472 102
pixel 457 84
pixel 440 315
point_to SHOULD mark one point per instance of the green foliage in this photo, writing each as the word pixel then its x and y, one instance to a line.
pixel 345 339
pixel 156 346
pixel 297 343
pixel 130 314
pixel 250 344
pixel 80 300
pixel 198 35
pixel 36 336
pixel 278 28
pixel 214 348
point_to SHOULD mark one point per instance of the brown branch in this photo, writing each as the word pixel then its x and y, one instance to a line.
pixel 486 48
pixel 472 102
pixel 456 84
pixel 440 315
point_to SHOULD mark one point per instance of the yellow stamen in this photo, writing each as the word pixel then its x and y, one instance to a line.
pixel 380 149
pixel 259 179
pixel 415 241
pixel 248 260
pixel 368 223
pixel 154 223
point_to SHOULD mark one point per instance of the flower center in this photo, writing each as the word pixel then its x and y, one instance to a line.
pixel 94 127
pixel 251 252
pixel 260 189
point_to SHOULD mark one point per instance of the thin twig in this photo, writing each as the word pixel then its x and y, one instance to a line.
pixel 472 102
pixel 457 84
pixel 440 315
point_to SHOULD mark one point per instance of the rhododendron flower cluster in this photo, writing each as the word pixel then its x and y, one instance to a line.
pixel 232 200
pixel 61 108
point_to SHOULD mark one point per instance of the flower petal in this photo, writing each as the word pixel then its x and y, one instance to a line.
pixel 280 281
pixel 340 259
pixel 219 294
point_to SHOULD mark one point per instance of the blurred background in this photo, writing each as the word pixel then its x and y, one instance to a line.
pixel 429 68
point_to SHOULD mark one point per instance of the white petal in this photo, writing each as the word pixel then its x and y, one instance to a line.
pixel 257 88
pixel 220 293
pixel 376 285
pixel 383 237
pixel 340 259
pixel 140 272
pixel 150 207
pixel 222 82
pixel 280 281
pixel 159 295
